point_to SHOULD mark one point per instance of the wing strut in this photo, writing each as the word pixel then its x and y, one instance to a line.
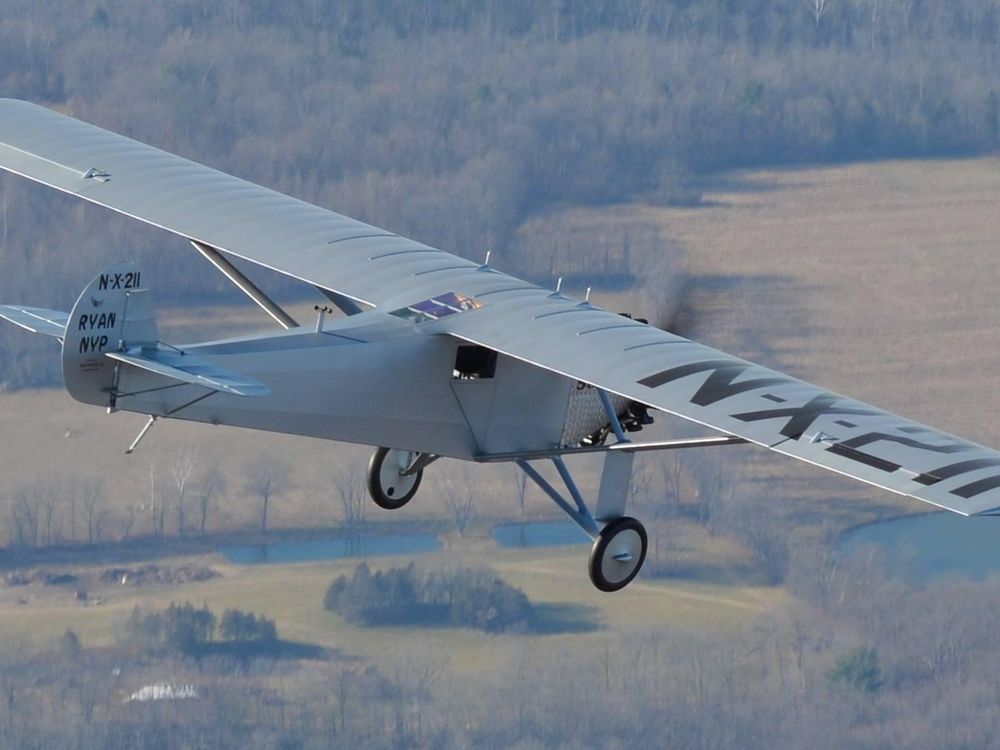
pixel 246 286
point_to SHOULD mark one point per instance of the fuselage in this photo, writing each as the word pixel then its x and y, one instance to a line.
pixel 372 379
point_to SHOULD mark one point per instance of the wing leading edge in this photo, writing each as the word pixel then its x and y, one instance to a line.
pixel 581 341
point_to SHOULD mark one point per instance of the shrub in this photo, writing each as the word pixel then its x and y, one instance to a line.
pixel 182 628
pixel 475 599
pixel 858 669
pixel 246 627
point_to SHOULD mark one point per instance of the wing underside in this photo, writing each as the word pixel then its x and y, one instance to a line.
pixel 377 267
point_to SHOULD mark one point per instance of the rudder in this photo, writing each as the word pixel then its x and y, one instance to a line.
pixel 113 313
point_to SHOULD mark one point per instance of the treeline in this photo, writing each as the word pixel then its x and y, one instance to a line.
pixel 403 596
pixel 456 122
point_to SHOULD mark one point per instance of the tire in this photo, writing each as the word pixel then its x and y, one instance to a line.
pixel 622 537
pixel 389 488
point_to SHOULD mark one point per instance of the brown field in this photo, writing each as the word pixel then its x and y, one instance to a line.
pixel 875 280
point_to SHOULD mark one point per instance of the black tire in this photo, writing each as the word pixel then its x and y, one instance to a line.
pixel 387 497
pixel 607 573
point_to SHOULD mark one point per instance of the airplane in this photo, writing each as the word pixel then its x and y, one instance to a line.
pixel 436 356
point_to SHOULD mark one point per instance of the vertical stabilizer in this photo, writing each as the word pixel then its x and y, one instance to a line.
pixel 112 314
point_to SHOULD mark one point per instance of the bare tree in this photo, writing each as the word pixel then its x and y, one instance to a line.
pixel 818 8
pixel 211 485
pixel 672 471
pixel 415 677
pixel 12 680
pixel 50 498
pixel 350 489
pixel 520 486
pixel 265 478
pixel 713 487
pixel 181 469
pixel 460 498
pixel 24 515
pixel 128 521
pixel 157 506
pixel 91 494
pixel 72 499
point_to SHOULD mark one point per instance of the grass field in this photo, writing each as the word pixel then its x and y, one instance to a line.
pixel 293 594
pixel 875 280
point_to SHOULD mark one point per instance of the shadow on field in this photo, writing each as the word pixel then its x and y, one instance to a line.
pixel 722 574
pixel 545 619
pixel 746 183
pixel 280 649
pixel 564 619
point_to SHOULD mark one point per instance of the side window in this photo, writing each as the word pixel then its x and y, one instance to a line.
pixel 474 363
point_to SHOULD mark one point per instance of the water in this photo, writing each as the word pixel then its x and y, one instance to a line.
pixel 518 535
pixel 933 545
pixel 539 534
pixel 330 549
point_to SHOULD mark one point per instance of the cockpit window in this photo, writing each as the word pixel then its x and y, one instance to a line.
pixel 438 307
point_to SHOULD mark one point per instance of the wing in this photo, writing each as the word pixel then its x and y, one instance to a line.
pixel 290 236
pixel 704 385
pixel 36 319
pixel 448 295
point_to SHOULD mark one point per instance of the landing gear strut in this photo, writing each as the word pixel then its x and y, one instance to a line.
pixel 619 541
pixel 394 476
pixel 619 544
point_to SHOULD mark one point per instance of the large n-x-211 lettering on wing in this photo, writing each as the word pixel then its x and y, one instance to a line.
pixel 722 380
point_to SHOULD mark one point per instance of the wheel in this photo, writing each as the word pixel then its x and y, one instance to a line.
pixel 388 486
pixel 618 553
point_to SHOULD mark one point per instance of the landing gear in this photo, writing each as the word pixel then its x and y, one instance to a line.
pixel 388 484
pixel 620 541
pixel 617 554
pixel 394 476
pixel 620 544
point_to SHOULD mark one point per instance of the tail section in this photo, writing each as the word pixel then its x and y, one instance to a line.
pixel 111 332
pixel 113 313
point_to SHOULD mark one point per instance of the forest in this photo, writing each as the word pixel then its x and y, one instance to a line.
pixel 475 126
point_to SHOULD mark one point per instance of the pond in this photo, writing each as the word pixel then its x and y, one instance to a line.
pixel 539 534
pixel 932 545
pixel 511 535
pixel 330 549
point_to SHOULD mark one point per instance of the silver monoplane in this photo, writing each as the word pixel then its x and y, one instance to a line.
pixel 436 357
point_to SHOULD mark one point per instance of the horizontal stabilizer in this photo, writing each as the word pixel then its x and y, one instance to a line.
pixel 36 319
pixel 187 368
